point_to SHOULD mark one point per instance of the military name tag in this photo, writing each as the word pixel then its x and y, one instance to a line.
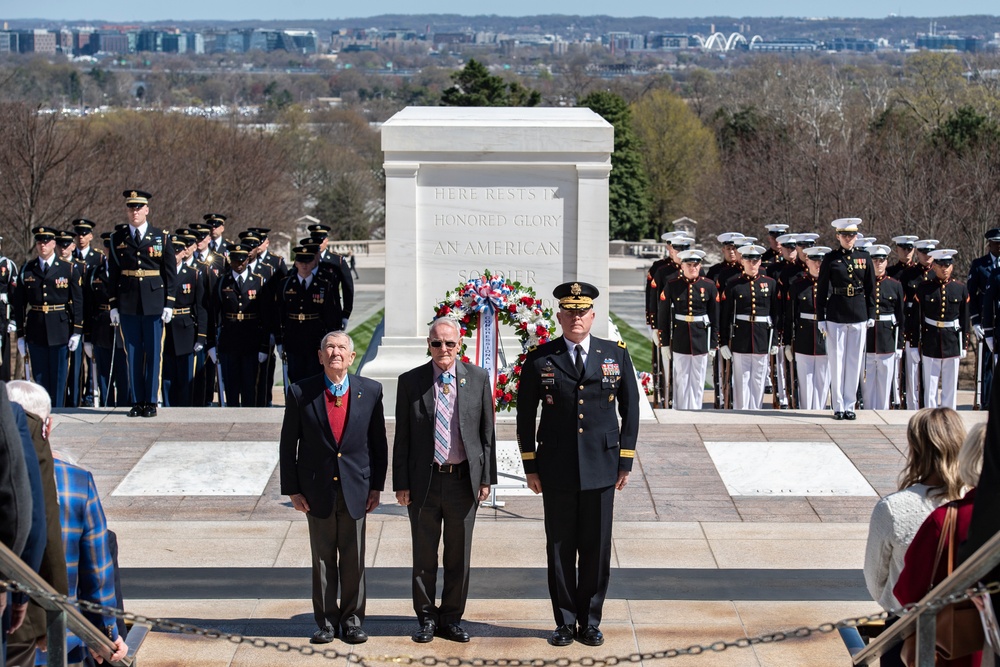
pixel 548 381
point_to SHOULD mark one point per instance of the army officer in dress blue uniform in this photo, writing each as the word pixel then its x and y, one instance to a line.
pixel 48 311
pixel 943 308
pixel 106 341
pixel 186 333
pixel 144 282
pixel 578 457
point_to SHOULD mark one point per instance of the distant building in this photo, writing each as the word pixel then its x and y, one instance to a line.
pixel 852 44
pixel 110 42
pixel 668 41
pixel 623 42
pixel 149 40
pixel 299 41
pixel 36 41
pixel 10 41
pixel 949 43
pixel 785 45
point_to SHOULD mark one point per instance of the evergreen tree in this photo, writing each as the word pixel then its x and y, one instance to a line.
pixel 476 87
pixel 629 185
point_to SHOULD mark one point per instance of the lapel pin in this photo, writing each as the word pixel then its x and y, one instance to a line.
pixel 461 383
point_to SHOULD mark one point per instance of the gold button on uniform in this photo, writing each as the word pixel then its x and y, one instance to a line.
pixel 581 415
pixel 339 455
pixel 581 401
pixel 581 430
pixel 581 387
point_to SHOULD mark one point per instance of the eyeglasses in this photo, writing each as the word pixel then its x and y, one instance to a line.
pixel 450 344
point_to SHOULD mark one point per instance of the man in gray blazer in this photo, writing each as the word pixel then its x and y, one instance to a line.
pixel 443 463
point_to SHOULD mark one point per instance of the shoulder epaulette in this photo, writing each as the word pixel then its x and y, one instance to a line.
pixel 622 344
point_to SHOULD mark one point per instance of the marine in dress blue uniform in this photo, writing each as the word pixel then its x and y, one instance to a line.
pixel 943 308
pixel 911 278
pixel 144 283
pixel 578 456
pixel 48 311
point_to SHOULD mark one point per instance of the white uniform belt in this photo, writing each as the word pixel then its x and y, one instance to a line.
pixel 754 318
pixel 691 318
pixel 887 318
pixel 807 316
pixel 950 324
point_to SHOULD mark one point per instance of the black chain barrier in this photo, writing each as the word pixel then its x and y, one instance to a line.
pixel 432 661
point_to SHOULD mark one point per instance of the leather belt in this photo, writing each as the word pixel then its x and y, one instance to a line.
pixel 239 317
pixel 887 318
pixel 182 311
pixel 755 319
pixel 141 273
pixel 449 468
pixel 49 309
pixel 850 290
pixel 808 316
pixel 691 318
pixel 950 324
pixel 303 317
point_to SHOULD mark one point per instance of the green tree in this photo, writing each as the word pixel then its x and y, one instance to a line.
pixel 347 205
pixel 476 87
pixel 629 185
pixel 679 152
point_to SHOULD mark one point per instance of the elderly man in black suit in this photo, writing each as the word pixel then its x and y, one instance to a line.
pixel 333 458
pixel 443 464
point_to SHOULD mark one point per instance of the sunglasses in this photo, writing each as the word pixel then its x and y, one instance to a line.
pixel 450 344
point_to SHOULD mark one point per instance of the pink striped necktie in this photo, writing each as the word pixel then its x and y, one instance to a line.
pixel 442 421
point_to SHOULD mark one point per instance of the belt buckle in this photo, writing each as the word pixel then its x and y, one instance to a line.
pixel 239 317
pixel 850 290
pixel 301 317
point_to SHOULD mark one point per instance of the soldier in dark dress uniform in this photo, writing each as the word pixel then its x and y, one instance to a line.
pixel 337 263
pixel 911 278
pixel 48 310
pixel 804 343
pixel 943 308
pixel 883 350
pixel 217 242
pixel 308 308
pixel 904 254
pixel 187 329
pixel 980 272
pixel 651 293
pixel 210 266
pixel 689 331
pixel 107 340
pixel 75 375
pixel 730 265
pixel 85 252
pixel 243 339
pixel 750 313
pixel 267 304
pixel 8 282
pixel 845 309
pixel 773 252
pixel 578 457
pixel 144 279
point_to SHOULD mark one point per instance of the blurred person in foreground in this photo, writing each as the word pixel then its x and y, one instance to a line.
pixel 918 575
pixel 930 479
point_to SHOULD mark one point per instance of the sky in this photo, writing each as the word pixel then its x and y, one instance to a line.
pixel 129 10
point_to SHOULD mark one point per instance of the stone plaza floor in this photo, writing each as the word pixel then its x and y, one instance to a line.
pixel 733 525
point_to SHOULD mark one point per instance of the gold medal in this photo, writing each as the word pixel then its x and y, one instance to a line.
pixel 446 389
pixel 337 402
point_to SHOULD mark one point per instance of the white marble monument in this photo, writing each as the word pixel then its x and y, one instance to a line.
pixel 521 191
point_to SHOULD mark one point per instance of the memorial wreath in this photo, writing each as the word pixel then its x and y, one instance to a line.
pixel 480 305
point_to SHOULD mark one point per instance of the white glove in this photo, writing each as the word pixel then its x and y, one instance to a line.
pixel 11 326
pixel 789 354
pixel 989 343
pixel 711 353
pixel 726 353
pixel 821 326
pixel 22 349
pixel 88 349
pixel 198 347
pixel 261 357
pixel 213 355
pixel 3 297
pixel 168 314
pixel 281 350
pixel 963 353
pixel 343 324
pixel 666 352
pixel 870 323
pixel 74 342
pixel 978 330
pixel 899 354
pixel 115 317
pixel 773 351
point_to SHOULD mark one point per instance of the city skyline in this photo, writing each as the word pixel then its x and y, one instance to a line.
pixel 190 10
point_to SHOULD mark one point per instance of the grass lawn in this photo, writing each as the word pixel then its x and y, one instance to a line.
pixel 639 347
pixel 362 335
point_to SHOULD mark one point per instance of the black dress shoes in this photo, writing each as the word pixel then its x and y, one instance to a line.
pixel 323 636
pixel 149 410
pixel 562 636
pixel 850 416
pixel 590 636
pixel 453 632
pixel 838 415
pixel 354 635
pixel 426 632
pixel 136 410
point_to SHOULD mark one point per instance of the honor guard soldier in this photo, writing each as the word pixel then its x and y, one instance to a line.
pixel 308 308
pixel 883 351
pixel 652 293
pixel 8 283
pixel 904 254
pixel 243 340
pixel 85 252
pixel 786 255
pixel 321 234
pixel 911 278
pixel 980 272
pixel 210 266
pixel 48 310
pixel 668 270
pixel 805 346
pixel 267 305
pixel 107 340
pixel 144 277
pixel 664 272
pixel 217 224
pixel 730 265
pixel 578 457
pixel 943 307
pixel 75 377
pixel 845 309
pixel 186 333
pixel 276 262
pixel 750 307
pixel 204 255
pixel 689 329
pixel 773 252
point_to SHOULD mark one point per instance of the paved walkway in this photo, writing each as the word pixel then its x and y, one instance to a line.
pixel 733 525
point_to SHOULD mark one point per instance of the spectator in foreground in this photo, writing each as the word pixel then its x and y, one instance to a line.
pixel 930 479
pixel 918 575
